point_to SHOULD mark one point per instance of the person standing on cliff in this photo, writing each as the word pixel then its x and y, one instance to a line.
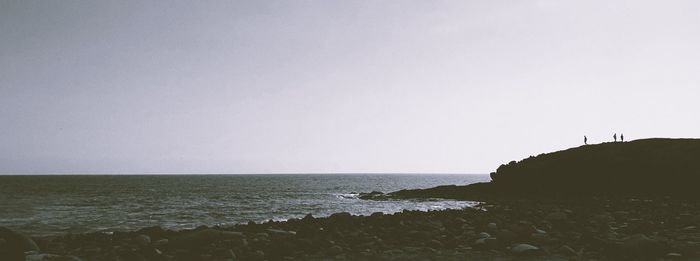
pixel 615 137
pixel 585 140
pixel 622 137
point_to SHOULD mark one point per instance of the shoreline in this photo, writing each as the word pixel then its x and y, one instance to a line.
pixel 592 228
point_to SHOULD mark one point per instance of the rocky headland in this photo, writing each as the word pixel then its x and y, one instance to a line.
pixel 614 201
pixel 648 167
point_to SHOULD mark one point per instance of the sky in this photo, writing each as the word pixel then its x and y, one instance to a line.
pixel 321 86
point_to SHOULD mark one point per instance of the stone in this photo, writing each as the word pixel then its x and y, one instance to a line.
pixel 377 214
pixel 224 253
pixel 203 237
pixel 557 217
pixel 50 257
pixel 486 243
pixel 308 217
pixel 142 240
pixel 341 216
pixel 641 245
pixel 15 244
pixel 280 232
pixel 434 244
pixel 257 256
pixel 690 228
pixel 492 226
pixel 568 250
pixel 161 242
pixel 524 249
pixel 674 256
pixel 484 235
pixel 154 232
pixel 335 250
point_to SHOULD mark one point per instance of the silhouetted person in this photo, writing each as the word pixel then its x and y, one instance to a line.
pixel 615 137
pixel 585 140
pixel 622 137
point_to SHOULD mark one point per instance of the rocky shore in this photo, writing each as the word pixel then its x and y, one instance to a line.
pixel 592 229
pixel 621 201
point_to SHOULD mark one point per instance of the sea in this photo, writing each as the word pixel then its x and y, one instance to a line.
pixel 59 204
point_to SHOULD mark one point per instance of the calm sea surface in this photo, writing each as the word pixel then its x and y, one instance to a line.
pixel 42 205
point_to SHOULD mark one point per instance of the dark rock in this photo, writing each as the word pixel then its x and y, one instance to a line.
pixel 308 217
pixel 50 257
pixel 524 249
pixel 161 242
pixel 557 216
pixel 434 244
pixel 15 244
pixel 374 195
pixel 486 243
pixel 639 245
pixel 341 216
pixel 377 214
pixel 280 232
pixel 142 240
pixel 154 233
pixel 484 235
pixel 203 237
pixel 258 255
pixel 492 227
pixel 335 250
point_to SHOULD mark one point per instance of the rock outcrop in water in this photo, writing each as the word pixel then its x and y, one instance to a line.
pixel 642 167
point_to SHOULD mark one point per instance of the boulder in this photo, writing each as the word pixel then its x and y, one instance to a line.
pixel 524 249
pixel 15 244
pixel 50 257
pixel 203 237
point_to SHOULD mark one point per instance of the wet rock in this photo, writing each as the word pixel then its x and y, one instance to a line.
pixel 308 217
pixel 524 249
pixel 161 242
pixel 15 244
pixel 484 235
pixel 344 216
pixel 674 256
pixel 557 217
pixel 154 232
pixel 151 254
pixel 335 250
pixel 540 236
pixel 486 243
pixel 224 253
pixel 374 195
pixel 142 240
pixel 280 232
pixel 237 242
pixel 203 237
pixel 50 257
pixel 492 226
pixel 433 243
pixel 377 214
pixel 92 250
pixel 640 245
pixel 132 256
pixel 567 250
pixel 257 256
pixel 507 235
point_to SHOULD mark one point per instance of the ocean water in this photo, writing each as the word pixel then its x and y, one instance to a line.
pixel 44 205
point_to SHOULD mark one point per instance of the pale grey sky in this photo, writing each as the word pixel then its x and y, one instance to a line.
pixel 336 86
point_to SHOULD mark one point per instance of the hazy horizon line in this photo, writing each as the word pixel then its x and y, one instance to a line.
pixel 211 174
